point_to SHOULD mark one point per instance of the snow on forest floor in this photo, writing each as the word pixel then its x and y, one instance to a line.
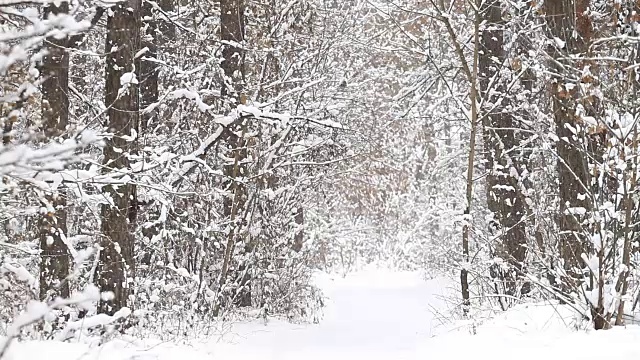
pixel 371 314
pixel 375 314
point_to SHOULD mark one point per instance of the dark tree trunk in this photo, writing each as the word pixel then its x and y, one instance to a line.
pixel 148 70
pixel 504 195
pixel 157 32
pixel 299 236
pixel 158 39
pixel 116 268
pixel 564 17
pixel 232 33
pixel 54 264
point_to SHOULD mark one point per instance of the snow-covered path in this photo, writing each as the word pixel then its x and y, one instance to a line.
pixel 374 315
pixel 371 314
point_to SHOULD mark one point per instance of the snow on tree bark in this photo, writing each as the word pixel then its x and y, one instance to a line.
pixel 232 35
pixel 505 199
pixel 573 171
pixel 116 268
pixel 54 256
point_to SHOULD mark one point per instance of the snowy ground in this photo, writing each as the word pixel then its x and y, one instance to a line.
pixel 372 315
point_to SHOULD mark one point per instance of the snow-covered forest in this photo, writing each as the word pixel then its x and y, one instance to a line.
pixel 180 171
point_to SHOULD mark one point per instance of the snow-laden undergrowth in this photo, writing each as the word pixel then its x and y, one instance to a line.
pixel 372 314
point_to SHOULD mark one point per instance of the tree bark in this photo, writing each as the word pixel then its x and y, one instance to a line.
pixel 54 264
pixel 298 240
pixel 631 215
pixel 232 32
pixel 157 32
pixel 472 75
pixel 563 17
pixel 504 194
pixel 116 269
pixel 147 69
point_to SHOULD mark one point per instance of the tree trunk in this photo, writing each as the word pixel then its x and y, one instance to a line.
pixel 504 195
pixel 232 35
pixel 472 75
pixel 116 268
pixel 563 17
pixel 630 205
pixel 54 264
pixel 298 240
pixel 147 69
pixel 157 32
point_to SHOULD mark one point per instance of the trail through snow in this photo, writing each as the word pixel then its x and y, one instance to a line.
pixel 374 315
pixel 371 314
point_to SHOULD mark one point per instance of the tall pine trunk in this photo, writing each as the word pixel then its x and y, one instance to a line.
pixel 116 268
